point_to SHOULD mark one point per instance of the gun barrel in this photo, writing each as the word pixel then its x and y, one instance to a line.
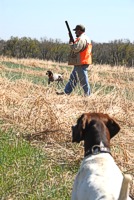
pixel 70 34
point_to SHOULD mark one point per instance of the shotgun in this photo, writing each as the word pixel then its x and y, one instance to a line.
pixel 69 31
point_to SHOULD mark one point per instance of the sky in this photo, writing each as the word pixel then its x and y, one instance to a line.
pixel 104 20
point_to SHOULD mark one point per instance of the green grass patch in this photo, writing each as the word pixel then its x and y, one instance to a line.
pixel 103 88
pixel 29 173
pixel 20 75
pixel 20 66
pixel 68 68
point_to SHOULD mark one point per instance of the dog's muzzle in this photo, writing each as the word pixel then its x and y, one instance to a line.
pixel 75 134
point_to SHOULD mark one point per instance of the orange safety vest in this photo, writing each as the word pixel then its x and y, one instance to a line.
pixel 81 58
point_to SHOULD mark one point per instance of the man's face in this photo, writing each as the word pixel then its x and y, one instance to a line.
pixel 78 32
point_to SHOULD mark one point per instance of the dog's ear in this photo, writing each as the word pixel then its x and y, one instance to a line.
pixel 83 123
pixel 110 123
pixel 113 127
pixel 85 120
pixel 80 128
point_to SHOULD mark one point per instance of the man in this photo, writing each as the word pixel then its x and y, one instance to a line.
pixel 81 58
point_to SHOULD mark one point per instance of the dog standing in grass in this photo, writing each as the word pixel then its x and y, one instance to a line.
pixel 54 77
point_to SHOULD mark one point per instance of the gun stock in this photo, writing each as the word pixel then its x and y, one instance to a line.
pixel 70 34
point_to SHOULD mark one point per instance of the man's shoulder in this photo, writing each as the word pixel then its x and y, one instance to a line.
pixel 85 37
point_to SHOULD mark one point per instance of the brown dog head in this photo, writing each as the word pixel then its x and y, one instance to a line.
pixel 49 73
pixel 96 127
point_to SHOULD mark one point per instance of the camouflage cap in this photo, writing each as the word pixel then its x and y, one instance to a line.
pixel 79 27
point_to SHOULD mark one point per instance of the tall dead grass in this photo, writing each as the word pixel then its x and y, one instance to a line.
pixel 45 119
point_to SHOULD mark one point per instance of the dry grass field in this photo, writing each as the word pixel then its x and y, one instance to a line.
pixel 34 112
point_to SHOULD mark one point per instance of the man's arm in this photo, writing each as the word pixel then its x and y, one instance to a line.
pixel 78 46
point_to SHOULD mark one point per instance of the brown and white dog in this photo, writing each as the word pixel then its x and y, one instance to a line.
pixel 98 178
pixel 54 77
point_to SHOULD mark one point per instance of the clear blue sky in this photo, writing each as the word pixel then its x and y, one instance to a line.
pixel 105 20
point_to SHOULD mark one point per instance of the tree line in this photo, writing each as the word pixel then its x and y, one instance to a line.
pixel 114 53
